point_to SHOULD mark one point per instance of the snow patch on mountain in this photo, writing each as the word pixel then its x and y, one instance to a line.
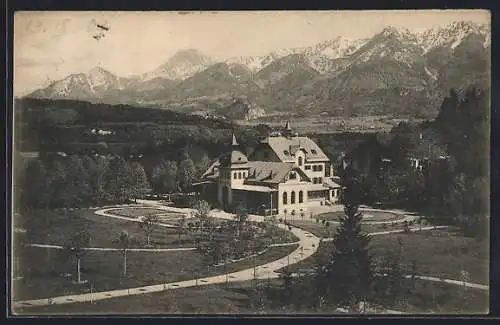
pixel 451 35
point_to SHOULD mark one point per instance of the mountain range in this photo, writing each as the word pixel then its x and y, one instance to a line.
pixel 396 72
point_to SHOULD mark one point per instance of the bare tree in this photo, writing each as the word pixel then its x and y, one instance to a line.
pixel 148 224
pixel 76 248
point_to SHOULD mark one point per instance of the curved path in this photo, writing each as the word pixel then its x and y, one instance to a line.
pixel 405 217
pixel 308 245
pixel 118 249
pixel 413 229
pixel 106 213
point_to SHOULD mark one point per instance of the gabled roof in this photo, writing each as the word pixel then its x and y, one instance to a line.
pixel 285 148
pixel 270 172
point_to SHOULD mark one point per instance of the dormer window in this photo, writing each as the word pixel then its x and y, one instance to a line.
pixel 300 161
pixel 286 152
pixel 314 152
pixel 293 175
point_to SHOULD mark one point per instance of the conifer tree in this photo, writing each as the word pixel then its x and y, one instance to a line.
pixel 347 275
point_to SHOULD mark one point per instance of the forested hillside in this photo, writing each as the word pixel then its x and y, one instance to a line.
pixel 454 150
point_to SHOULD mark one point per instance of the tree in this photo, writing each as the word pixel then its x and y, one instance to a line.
pixel 118 180
pixel 202 213
pixel 181 227
pixel 78 182
pixel 33 185
pixel 76 248
pixel 241 217
pixel 186 174
pixel 347 276
pixel 148 224
pixel 97 169
pixel 123 241
pixel 202 165
pixel 140 183
pixel 57 180
pixel 164 176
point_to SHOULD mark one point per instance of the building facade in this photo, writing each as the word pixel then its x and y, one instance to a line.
pixel 286 174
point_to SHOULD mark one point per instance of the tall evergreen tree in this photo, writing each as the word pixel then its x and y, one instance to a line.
pixel 348 274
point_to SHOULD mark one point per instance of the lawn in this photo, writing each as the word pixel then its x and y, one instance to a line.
pixel 59 227
pixel 320 230
pixel 436 252
pixel 440 253
pixel 104 229
pixel 44 270
pixel 316 228
pixel 441 298
pixel 236 298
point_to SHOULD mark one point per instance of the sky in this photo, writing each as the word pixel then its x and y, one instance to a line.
pixel 49 46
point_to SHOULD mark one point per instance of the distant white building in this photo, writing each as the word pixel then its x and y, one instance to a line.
pixel 286 173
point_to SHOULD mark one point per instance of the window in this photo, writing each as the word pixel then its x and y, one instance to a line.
pixel 320 180
pixel 285 198
pixel 286 152
pixel 239 175
pixel 314 152
pixel 300 161
pixel 244 174
pixel 293 175
pixel 234 176
pixel 292 198
pixel 308 167
pixel 301 197
pixel 320 168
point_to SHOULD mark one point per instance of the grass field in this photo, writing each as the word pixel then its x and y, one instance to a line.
pixel 320 230
pixel 317 229
pixel 439 253
pixel 44 269
pixel 104 229
pixel 235 298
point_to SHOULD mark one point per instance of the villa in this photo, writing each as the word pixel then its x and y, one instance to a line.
pixel 286 174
